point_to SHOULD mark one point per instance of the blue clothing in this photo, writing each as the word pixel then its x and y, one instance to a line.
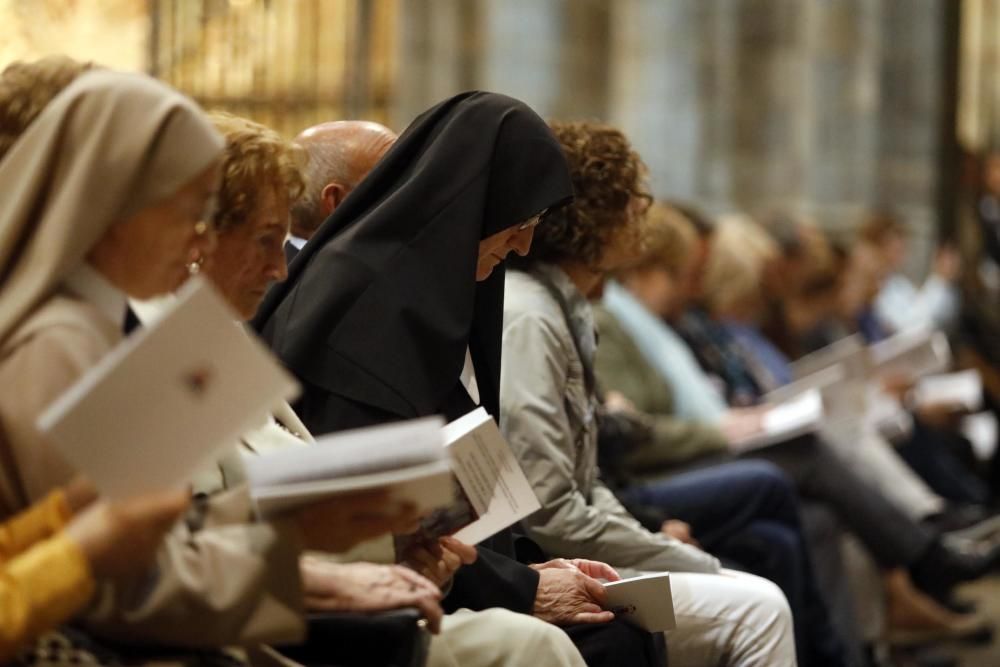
pixel 775 367
pixel 747 512
pixel 666 352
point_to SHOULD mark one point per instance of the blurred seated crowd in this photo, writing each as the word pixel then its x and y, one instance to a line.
pixel 628 348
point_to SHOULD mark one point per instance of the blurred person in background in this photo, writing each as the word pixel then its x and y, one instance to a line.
pixel 900 304
pixel 340 154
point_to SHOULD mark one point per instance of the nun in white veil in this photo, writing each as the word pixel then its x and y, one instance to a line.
pixel 104 197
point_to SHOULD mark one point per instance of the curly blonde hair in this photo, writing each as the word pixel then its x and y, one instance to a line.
pixel 668 240
pixel 255 157
pixel 608 176
pixel 27 87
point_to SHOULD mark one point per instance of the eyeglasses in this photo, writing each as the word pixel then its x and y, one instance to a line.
pixel 532 222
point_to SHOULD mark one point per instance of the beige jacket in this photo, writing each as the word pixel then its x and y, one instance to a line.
pixel 220 579
pixel 548 417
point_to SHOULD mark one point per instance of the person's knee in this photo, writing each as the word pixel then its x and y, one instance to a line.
pixel 770 609
pixel 769 478
pixel 543 642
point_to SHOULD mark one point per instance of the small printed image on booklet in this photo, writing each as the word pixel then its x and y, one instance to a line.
pixel 645 601
pixel 169 399
pixel 492 492
pixel 406 458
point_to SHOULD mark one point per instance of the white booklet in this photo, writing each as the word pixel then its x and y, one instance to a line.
pixel 981 430
pixel 491 491
pixel 785 421
pixel 489 475
pixel 963 389
pixel 169 399
pixel 916 353
pixel 847 352
pixel 406 458
pixel 645 601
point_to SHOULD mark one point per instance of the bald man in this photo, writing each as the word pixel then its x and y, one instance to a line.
pixel 341 154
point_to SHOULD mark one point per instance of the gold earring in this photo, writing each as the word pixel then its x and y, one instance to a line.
pixel 194 266
pixel 200 228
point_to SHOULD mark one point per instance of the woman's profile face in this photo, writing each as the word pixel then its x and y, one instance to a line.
pixel 147 254
pixel 494 249
pixel 251 255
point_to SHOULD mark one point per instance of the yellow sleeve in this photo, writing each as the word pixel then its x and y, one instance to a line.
pixel 39 522
pixel 40 589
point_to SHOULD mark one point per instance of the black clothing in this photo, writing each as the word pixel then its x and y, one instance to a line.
pixel 382 303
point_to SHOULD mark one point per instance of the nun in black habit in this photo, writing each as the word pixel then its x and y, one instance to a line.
pixel 387 303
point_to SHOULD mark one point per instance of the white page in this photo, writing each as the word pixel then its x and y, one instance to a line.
pixel 352 452
pixel 916 353
pixel 786 421
pixel 841 352
pixel 405 458
pixel 964 388
pixel 168 400
pixel 645 601
pixel 981 430
pixel 489 474
pixel 427 486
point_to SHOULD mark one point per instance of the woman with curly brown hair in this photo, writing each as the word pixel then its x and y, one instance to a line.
pixel 548 402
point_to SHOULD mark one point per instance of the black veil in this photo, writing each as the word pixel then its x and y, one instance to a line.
pixel 380 305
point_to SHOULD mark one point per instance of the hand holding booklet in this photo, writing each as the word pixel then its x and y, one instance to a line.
pixel 645 601
pixel 464 470
pixel 785 421
pixel 492 490
pixel 405 458
pixel 168 400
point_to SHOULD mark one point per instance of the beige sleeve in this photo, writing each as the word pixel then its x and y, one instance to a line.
pixel 219 578
pixel 223 582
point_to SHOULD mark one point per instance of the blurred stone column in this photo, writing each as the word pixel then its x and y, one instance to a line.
pixel 909 142
pixel 439 54
pixel 661 92
pixel 844 41
pixel 768 102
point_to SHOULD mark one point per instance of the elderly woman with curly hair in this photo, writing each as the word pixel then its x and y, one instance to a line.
pixel 548 401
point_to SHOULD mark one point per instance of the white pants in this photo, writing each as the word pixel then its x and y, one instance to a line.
pixel 731 619
pixel 500 638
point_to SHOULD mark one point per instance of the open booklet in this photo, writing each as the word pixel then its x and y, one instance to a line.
pixel 168 400
pixel 462 474
pixel 492 491
pixel 785 421
pixel 405 458
pixel 645 601
pixel 915 353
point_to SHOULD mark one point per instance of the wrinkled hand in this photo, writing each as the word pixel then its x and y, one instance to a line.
pixel 439 562
pixel 591 568
pixel 566 596
pixel 679 530
pixel 121 538
pixel 367 587
pixel 337 524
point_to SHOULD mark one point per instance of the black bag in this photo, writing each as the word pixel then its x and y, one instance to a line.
pixel 396 638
